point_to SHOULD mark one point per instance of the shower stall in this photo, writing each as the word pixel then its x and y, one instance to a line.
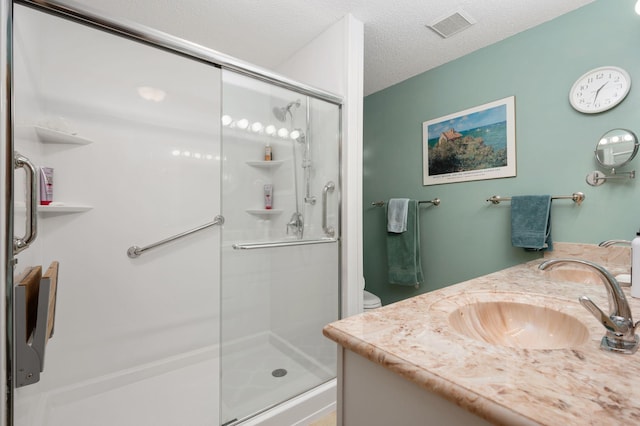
pixel 183 297
pixel 280 264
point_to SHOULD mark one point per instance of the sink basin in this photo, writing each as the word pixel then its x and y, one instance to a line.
pixel 574 275
pixel 518 325
pixel 582 276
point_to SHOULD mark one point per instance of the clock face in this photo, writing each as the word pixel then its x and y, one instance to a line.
pixel 600 89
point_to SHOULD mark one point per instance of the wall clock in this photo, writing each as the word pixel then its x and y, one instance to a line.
pixel 599 89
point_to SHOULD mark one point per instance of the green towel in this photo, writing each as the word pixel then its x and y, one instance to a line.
pixel 403 252
pixel 531 222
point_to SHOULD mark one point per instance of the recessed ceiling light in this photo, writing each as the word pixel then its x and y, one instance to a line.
pixel 151 93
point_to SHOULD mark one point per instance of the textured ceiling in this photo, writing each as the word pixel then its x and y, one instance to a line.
pixel 397 43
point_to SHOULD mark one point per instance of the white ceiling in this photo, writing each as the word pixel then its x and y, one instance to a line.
pixel 397 43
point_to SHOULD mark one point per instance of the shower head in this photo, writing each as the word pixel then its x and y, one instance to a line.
pixel 281 112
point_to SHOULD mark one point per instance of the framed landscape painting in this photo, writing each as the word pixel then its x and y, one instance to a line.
pixel 475 144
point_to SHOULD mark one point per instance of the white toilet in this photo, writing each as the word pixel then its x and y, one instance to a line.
pixel 370 300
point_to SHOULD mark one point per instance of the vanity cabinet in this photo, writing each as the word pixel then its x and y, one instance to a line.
pixel 409 364
pixel 374 396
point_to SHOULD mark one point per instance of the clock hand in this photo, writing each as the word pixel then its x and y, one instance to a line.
pixel 598 91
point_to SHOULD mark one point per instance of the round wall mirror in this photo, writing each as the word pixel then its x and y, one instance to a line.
pixel 616 148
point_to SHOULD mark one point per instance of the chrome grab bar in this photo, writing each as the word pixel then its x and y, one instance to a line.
pixel 135 251
pixel 329 187
pixel 31 226
pixel 252 246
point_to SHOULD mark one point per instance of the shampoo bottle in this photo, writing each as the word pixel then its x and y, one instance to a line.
pixel 635 266
pixel 46 186
pixel 268 197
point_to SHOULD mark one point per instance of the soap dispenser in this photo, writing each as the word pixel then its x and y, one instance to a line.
pixel 635 266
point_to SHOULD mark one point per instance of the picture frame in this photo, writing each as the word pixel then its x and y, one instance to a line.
pixel 477 143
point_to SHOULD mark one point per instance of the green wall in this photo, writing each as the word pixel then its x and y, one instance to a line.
pixel 465 236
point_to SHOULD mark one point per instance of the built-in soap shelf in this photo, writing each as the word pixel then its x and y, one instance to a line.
pixel 51 136
pixel 269 165
pixel 264 212
pixel 56 208
pixel 46 135
pixel 66 208
pixel 265 164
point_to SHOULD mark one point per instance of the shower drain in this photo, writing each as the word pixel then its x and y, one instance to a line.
pixel 279 372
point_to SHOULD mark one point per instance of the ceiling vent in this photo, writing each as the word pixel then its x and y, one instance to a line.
pixel 452 24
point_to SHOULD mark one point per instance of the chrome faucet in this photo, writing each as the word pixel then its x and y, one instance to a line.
pixel 609 243
pixel 620 336
pixel 296 223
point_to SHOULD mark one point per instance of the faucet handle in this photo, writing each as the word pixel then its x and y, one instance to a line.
pixel 617 327
pixel 613 324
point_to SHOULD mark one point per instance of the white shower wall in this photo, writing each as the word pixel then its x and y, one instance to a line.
pixel 117 317
pixel 262 287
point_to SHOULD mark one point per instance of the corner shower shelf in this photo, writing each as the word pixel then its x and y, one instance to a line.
pixel 46 135
pixel 264 212
pixel 265 164
pixel 56 208
pixel 66 208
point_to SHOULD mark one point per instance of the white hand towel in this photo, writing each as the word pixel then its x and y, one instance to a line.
pixel 397 210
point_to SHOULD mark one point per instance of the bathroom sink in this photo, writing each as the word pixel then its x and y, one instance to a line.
pixel 574 275
pixel 582 276
pixel 518 325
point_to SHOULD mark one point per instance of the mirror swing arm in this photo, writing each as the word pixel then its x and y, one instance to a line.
pixel 597 178
pixel 614 149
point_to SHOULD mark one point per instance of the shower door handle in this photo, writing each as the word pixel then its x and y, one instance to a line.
pixel 328 230
pixel 31 226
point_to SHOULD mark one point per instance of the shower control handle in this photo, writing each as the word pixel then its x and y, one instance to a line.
pixel 328 230
pixel 31 226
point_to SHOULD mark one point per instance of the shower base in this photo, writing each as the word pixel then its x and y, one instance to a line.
pixel 174 391
pixel 184 390
pixel 261 372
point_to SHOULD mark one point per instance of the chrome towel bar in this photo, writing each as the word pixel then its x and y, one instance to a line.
pixel 135 251
pixel 577 197
pixel 253 246
pixel 435 202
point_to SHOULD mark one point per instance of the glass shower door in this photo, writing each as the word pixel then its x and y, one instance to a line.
pixel 127 129
pixel 280 250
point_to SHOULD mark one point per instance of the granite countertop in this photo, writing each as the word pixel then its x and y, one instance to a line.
pixel 504 385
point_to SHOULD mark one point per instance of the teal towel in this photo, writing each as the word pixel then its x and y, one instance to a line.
pixel 397 210
pixel 531 222
pixel 403 251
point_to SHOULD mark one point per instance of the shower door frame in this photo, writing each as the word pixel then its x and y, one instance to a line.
pixel 6 207
pixel 126 29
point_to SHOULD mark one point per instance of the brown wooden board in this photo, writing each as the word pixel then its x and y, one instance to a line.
pixel 52 274
pixel 31 281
